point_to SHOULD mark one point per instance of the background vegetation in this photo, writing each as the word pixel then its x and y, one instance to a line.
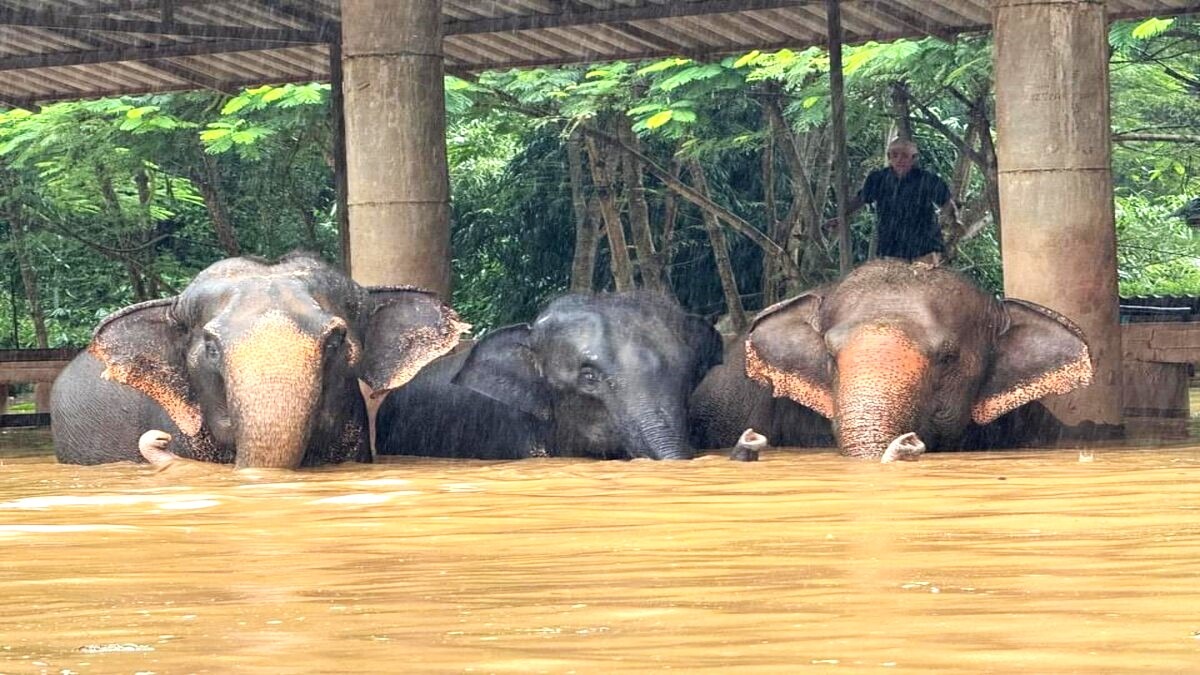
pixel 710 179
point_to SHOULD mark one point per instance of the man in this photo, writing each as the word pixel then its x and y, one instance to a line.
pixel 904 197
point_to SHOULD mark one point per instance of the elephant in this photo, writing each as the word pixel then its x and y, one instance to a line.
pixel 893 348
pixel 255 364
pixel 603 376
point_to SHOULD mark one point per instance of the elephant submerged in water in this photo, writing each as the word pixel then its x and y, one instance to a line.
pixel 892 349
pixel 603 376
pixel 254 364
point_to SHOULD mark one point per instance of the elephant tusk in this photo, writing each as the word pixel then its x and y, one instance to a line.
pixel 153 446
pixel 904 448
pixel 748 446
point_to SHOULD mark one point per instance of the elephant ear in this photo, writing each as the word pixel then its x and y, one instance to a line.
pixel 143 346
pixel 706 344
pixel 1039 353
pixel 503 366
pixel 405 329
pixel 786 352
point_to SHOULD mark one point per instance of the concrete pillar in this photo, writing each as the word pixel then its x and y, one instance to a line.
pixel 1056 198
pixel 398 193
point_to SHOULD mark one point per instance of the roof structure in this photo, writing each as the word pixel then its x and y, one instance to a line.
pixel 73 49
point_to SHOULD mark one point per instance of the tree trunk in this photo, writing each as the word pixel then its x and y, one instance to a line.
pixel 583 265
pixel 29 280
pixel 145 254
pixel 901 116
pixel 736 222
pixel 639 212
pixel 802 228
pixel 720 248
pixel 670 212
pixel 771 263
pixel 622 268
pixel 837 114
pixel 208 181
pixel 991 168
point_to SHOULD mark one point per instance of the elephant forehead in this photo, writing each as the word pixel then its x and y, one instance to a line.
pixel 241 306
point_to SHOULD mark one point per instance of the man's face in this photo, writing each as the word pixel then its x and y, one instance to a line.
pixel 901 158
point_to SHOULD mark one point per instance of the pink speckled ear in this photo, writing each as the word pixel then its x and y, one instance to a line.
pixel 786 352
pixel 143 346
pixel 1039 354
pixel 406 328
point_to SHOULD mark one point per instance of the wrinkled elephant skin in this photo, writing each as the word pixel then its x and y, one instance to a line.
pixel 894 348
pixel 253 364
pixel 603 376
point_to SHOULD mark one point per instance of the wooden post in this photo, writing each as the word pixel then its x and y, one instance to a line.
pixel 837 96
pixel 399 189
pixel 1052 122
pixel 337 103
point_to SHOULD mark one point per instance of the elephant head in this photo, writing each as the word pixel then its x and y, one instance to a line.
pixel 258 364
pixel 896 348
pixel 603 376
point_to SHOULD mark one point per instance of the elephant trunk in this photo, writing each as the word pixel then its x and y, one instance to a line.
pixel 658 431
pixel 274 387
pixel 881 376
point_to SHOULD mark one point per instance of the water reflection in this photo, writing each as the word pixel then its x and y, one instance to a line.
pixel 987 561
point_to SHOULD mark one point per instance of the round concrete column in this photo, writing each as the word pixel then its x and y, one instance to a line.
pixel 398 194
pixel 1053 146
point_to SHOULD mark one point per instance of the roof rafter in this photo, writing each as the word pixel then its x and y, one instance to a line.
pixel 643 13
pixel 193 76
pixel 77 58
pixel 260 35
pixel 907 19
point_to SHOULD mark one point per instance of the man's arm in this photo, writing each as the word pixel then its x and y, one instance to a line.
pixel 856 202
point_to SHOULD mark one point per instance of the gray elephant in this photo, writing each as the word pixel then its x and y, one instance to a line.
pixel 602 376
pixel 893 348
pixel 253 364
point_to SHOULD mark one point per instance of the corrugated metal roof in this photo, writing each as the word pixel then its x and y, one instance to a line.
pixel 66 49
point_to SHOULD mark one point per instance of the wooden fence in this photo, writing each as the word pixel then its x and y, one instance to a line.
pixel 30 366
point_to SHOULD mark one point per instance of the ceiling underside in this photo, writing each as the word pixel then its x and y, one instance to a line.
pixel 72 49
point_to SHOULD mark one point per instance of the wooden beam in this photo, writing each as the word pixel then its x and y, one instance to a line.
pixel 303 12
pixel 463 65
pixel 644 13
pixel 26 372
pixel 195 77
pixel 906 19
pixel 98 42
pixel 121 6
pixel 18 103
pixel 1161 342
pixel 83 57
pixel 264 36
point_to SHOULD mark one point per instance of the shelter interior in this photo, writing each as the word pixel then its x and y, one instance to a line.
pixel 71 49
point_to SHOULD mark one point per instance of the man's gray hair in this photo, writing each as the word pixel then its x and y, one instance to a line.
pixel 903 143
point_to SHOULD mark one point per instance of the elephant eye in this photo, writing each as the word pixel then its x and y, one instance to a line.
pixel 335 340
pixel 948 356
pixel 212 348
pixel 589 377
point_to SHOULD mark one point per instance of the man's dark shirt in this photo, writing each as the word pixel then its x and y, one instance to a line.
pixel 908 227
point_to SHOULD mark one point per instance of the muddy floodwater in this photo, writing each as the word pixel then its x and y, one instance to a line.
pixel 1019 561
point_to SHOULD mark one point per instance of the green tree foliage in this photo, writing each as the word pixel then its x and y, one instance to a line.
pixel 116 200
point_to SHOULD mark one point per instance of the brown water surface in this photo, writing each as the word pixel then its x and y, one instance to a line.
pixel 1025 561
